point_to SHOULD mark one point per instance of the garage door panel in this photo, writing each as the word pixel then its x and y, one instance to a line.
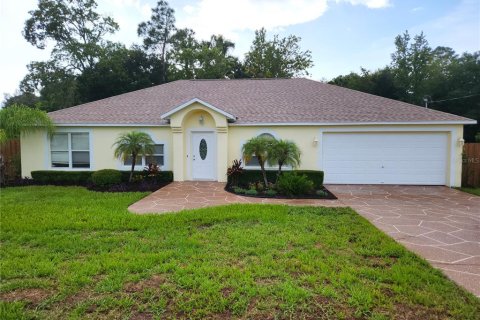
pixel 390 158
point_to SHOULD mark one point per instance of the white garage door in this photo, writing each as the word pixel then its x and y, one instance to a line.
pixel 389 158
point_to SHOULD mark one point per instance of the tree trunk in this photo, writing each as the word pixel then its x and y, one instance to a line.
pixel 280 164
pixel 262 166
pixel 134 158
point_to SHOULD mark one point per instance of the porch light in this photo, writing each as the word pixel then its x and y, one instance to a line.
pixel 315 141
pixel 200 120
pixel 460 142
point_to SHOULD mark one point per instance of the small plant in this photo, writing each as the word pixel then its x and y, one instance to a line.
pixel 321 193
pixel 292 184
pixel 251 192
pixel 151 170
pixel 259 186
pixel 239 190
pixel 271 193
pixel 106 178
pixel 235 171
pixel 137 178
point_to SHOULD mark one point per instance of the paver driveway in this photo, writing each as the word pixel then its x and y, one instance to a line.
pixel 438 223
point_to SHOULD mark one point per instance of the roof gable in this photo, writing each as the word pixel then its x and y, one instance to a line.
pixel 178 108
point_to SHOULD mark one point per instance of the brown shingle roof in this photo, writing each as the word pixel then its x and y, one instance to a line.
pixel 252 101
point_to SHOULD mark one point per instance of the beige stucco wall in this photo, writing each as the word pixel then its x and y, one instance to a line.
pixel 229 140
pixel 304 137
pixel 187 120
pixel 35 147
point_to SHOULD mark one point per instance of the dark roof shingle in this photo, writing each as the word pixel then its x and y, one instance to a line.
pixel 252 101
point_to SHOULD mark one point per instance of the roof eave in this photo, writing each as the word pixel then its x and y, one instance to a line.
pixel 167 115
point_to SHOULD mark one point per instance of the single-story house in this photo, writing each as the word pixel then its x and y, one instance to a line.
pixel 199 127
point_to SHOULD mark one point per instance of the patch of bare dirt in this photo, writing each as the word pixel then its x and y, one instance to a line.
pixel 226 292
pixel 153 282
pixel 141 316
pixel 33 295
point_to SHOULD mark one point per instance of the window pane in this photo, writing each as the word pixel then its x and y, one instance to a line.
pixel 59 159
pixel 138 161
pixel 253 161
pixel 158 160
pixel 80 141
pixel 266 135
pixel 59 142
pixel 80 159
pixel 158 149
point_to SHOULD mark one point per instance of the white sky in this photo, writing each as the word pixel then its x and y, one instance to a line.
pixel 342 34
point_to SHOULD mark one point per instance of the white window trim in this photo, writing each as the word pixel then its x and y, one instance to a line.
pixel 166 149
pixel 144 160
pixel 267 166
pixel 69 131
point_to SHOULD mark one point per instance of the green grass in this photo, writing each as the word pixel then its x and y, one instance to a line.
pixel 475 191
pixel 71 253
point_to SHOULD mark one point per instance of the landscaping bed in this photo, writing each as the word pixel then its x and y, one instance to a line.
pixel 295 184
pixel 112 180
pixel 320 193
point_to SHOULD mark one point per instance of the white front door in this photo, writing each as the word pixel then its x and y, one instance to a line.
pixel 203 153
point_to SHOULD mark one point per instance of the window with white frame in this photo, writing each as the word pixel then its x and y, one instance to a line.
pixel 158 158
pixel 253 161
pixel 70 150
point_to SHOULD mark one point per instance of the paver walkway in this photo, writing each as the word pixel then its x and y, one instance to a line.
pixel 438 223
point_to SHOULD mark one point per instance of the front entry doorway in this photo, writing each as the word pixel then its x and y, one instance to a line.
pixel 203 155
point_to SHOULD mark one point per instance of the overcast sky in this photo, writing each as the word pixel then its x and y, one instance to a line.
pixel 341 34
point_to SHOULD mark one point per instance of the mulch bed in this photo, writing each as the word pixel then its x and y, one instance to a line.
pixel 328 195
pixel 143 186
pixel 130 187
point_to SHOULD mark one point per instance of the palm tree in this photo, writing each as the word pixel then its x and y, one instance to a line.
pixel 133 144
pixel 284 152
pixel 258 147
pixel 16 120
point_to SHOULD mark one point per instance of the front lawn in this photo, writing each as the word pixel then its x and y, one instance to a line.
pixel 67 252
pixel 475 191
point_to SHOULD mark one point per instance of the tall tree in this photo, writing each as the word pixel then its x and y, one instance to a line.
pixel 411 65
pixel 77 30
pixel 277 58
pixel 183 55
pixel 214 60
pixel 57 86
pixel 122 70
pixel 157 32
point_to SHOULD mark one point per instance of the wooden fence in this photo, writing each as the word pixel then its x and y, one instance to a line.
pixel 10 153
pixel 471 165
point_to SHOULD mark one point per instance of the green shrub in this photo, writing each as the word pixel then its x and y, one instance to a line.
pixel 83 178
pixel 106 178
pixel 250 176
pixel 63 178
pixel 251 192
pixel 160 177
pixel 239 190
pixel 294 184
pixel 271 193
pixel 321 193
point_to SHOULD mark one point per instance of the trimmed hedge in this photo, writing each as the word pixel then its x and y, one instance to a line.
pixel 63 178
pixel 106 178
pixel 82 178
pixel 249 176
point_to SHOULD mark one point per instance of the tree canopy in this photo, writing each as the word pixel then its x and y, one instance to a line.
pixel 448 81
pixel 84 66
